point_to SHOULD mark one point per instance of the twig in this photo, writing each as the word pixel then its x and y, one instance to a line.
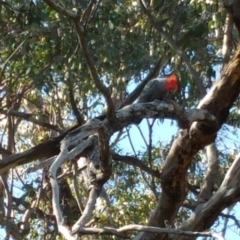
pixel 236 221
pixel 117 139
pixel 76 190
pixel 30 117
pixel 11 55
pixel 131 143
pixel 142 135
pixel 136 163
pixel 87 12
pixel 63 11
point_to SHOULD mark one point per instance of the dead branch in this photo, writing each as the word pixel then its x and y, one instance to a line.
pixel 53 180
pixel 87 213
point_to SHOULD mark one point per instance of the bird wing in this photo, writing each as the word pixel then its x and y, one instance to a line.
pixel 154 90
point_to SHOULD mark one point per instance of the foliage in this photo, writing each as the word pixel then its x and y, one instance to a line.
pixel 45 74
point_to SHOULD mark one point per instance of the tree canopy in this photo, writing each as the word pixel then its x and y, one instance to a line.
pixel 69 77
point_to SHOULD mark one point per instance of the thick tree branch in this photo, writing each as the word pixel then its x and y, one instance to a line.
pixel 98 173
pixel 103 141
pixel 124 116
pixel 156 109
pixel 55 189
pixel 228 86
pixel 234 10
pixel 84 164
pixel 232 177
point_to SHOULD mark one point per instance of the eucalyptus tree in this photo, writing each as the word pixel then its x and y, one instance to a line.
pixel 70 73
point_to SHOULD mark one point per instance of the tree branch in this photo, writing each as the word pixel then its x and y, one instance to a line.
pixel 124 116
pixel 87 213
pixel 77 114
pixel 93 72
pixel 136 163
pixel 30 117
pixel 227 38
pixel 142 228
pixel 55 189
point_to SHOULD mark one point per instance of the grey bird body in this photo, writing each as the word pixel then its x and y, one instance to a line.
pixel 154 90
pixel 159 89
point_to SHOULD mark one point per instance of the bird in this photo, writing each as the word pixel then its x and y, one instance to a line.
pixel 159 89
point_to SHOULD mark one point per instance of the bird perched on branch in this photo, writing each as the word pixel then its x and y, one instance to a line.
pixel 159 89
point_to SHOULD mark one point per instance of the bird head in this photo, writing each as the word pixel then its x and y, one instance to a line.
pixel 172 83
